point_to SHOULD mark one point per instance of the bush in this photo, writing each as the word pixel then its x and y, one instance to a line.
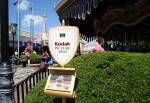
pixel 110 77
pixel 35 58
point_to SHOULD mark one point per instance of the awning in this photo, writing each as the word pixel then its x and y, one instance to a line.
pixel 79 9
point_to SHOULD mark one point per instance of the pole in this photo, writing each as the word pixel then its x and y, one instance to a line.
pixel 31 26
pixel 12 29
pixel 13 42
pixel 138 38
pixel 63 100
pixel 132 37
pixel 31 31
pixel 18 18
pixel 4 30
pixel 6 74
pixel 125 37
pixel 44 28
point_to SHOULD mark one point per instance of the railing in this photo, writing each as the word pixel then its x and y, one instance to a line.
pixel 22 88
pixel 87 44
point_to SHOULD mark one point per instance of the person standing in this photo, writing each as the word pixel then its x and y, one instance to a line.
pixel 16 56
pixel 99 44
pixel 27 52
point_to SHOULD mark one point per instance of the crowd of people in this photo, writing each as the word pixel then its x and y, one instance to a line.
pixel 115 45
pixel 124 46
pixel 26 55
pixel 45 54
pixel 101 46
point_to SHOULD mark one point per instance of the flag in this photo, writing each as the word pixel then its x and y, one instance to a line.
pixel 16 2
pixel 30 10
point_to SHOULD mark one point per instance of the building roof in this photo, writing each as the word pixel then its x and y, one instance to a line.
pixel 76 8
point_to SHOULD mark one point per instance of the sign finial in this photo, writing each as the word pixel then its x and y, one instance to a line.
pixel 63 22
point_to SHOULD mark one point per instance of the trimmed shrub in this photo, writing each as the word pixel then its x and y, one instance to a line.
pixel 109 77
pixel 35 58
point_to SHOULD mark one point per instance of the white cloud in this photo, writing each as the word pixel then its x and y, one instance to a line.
pixel 24 5
pixel 38 20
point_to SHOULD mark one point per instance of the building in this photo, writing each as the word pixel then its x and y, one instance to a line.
pixel 124 21
pixel 24 38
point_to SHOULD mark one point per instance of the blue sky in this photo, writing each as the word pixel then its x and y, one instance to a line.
pixel 39 8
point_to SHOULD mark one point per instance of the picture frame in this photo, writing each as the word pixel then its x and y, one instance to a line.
pixel 61 82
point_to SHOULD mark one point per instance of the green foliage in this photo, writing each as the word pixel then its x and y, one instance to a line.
pixel 109 77
pixel 35 58
pixel 21 59
pixel 36 95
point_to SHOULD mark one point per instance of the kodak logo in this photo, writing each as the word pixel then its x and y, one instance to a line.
pixel 62 44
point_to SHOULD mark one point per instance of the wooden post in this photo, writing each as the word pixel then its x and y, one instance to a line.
pixel 63 100
pixel 138 38
pixel 125 37
pixel 132 37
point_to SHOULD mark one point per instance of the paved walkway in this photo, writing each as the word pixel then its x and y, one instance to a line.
pixel 21 73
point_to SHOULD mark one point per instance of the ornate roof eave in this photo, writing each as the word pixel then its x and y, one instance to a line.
pixel 126 17
pixel 76 8
pixel 62 5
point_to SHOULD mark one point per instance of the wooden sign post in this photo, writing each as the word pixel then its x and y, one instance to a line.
pixel 63 44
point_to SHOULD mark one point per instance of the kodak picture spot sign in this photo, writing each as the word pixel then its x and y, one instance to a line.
pixel 63 43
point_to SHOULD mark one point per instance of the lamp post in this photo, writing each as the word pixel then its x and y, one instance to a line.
pixel 17 3
pixel 44 29
pixel 6 74
pixel 31 25
pixel 13 29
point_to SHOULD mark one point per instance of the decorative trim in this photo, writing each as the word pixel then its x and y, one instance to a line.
pixel 62 5
pixel 77 9
pixel 126 17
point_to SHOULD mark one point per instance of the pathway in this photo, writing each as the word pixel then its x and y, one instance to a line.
pixel 20 73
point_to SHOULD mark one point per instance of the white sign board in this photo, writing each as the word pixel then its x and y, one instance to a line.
pixel 63 43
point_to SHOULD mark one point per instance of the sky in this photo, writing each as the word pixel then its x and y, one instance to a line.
pixel 39 7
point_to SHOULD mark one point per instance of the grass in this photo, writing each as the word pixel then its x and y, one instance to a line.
pixel 109 77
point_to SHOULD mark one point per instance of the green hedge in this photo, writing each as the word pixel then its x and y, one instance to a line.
pixel 35 58
pixel 110 77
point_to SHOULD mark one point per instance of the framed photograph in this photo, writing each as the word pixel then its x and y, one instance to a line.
pixel 61 82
